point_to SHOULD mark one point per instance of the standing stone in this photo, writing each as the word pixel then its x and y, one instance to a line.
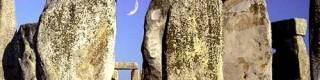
pixel 19 62
pixel 315 39
pixel 247 37
pixel 291 60
pixel 183 40
pixel 155 24
pixel 76 38
pixel 7 27
pixel 193 41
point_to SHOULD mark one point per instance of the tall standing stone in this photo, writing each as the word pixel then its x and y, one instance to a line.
pixel 183 40
pixel 247 36
pixel 75 39
pixel 315 39
pixel 7 26
pixel 155 24
pixel 193 41
pixel 291 60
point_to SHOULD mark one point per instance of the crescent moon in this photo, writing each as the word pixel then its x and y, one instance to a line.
pixel 134 11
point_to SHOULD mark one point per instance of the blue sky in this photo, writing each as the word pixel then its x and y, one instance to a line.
pixel 130 28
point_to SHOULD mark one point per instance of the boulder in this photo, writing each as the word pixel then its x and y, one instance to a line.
pixel 76 38
pixel 247 37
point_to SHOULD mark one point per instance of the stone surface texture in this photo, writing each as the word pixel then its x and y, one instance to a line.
pixel 155 23
pixel 7 26
pixel 314 40
pixel 193 40
pixel 183 40
pixel 291 60
pixel 75 40
pixel 247 37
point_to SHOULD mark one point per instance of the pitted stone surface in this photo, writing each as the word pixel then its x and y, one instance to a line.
pixel 183 40
pixel 76 38
pixel 247 37
pixel 193 40
pixel 7 26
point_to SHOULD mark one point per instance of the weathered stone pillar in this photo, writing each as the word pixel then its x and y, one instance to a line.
pixel 193 40
pixel 7 27
pixel 75 39
pixel 315 39
pixel 19 62
pixel 155 24
pixel 183 38
pixel 247 37
pixel 291 60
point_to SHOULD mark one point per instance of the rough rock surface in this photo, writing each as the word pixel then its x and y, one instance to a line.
pixel 315 38
pixel 155 23
pixel 193 40
pixel 291 60
pixel 19 62
pixel 75 39
pixel 247 36
pixel 7 26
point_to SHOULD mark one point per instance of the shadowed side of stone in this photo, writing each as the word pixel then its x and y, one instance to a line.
pixel 75 39
pixel 314 35
pixel 290 61
pixel 19 57
pixel 247 37
pixel 7 27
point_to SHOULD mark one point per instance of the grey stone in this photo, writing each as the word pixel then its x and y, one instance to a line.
pixel 76 38
pixel 247 37
pixel 19 62
pixel 7 27
pixel 155 23
pixel 291 60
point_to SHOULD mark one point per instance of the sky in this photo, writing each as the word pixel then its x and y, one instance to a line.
pixel 130 28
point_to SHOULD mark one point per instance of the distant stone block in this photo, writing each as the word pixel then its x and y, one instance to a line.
pixel 126 66
pixel 290 61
